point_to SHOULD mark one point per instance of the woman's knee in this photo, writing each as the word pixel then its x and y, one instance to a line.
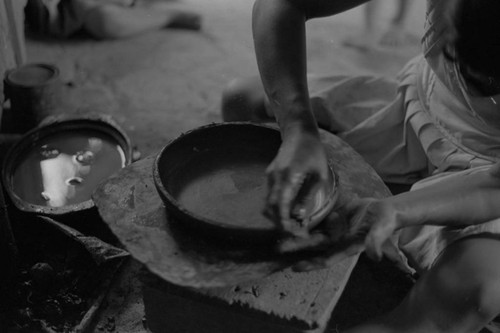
pixel 488 297
pixel 465 281
pixel 244 100
pixel 482 255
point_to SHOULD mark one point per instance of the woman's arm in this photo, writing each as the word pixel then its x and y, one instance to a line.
pixel 367 224
pixel 465 199
pixel 280 46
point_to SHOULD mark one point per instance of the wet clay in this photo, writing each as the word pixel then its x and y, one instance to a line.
pixel 229 191
pixel 65 168
pixel 231 187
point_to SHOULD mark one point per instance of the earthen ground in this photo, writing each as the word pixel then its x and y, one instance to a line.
pixel 162 83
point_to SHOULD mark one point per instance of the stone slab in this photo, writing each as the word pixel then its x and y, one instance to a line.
pixel 129 204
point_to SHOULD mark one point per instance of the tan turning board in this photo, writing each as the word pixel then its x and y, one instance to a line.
pixel 196 287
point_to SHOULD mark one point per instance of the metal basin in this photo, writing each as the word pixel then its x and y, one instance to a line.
pixel 54 168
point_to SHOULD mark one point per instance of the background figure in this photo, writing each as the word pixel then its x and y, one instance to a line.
pixel 394 36
pixel 106 19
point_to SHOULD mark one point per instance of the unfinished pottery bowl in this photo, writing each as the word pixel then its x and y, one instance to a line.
pixel 213 179
pixel 54 168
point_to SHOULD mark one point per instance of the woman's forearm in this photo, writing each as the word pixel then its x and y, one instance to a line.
pixel 464 199
pixel 280 44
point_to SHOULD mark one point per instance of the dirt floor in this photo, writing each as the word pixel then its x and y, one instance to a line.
pixel 163 83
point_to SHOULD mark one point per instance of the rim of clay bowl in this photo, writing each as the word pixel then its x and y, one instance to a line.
pixel 49 126
pixel 50 68
pixel 221 230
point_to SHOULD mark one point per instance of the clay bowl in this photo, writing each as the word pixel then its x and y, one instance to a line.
pixel 53 169
pixel 212 179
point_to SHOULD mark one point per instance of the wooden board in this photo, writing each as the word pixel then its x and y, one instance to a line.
pixel 130 205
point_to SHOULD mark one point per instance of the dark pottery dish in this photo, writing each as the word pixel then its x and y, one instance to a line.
pixel 212 179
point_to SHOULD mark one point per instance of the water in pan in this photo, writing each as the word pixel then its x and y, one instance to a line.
pixel 65 168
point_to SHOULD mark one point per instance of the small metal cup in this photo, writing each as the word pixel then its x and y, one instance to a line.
pixel 34 93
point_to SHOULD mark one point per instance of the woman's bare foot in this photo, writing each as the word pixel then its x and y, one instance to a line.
pixel 184 20
pixel 177 16
pixel 363 42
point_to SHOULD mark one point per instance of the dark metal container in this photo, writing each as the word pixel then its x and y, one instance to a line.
pixel 66 126
pixel 33 91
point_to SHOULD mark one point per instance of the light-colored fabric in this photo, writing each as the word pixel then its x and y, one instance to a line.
pixel 433 129
pixel 422 245
pixel 368 113
pixel 460 133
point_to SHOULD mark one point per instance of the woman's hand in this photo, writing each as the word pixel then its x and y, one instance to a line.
pixel 364 224
pixel 299 169
pixel 374 219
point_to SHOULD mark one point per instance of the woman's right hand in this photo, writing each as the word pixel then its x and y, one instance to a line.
pixel 299 169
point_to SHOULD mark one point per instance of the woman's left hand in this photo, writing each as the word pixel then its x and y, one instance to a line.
pixel 364 224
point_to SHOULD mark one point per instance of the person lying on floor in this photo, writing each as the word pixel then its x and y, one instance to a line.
pixel 440 134
pixel 106 19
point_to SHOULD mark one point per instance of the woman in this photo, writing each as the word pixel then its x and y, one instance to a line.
pixel 441 134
